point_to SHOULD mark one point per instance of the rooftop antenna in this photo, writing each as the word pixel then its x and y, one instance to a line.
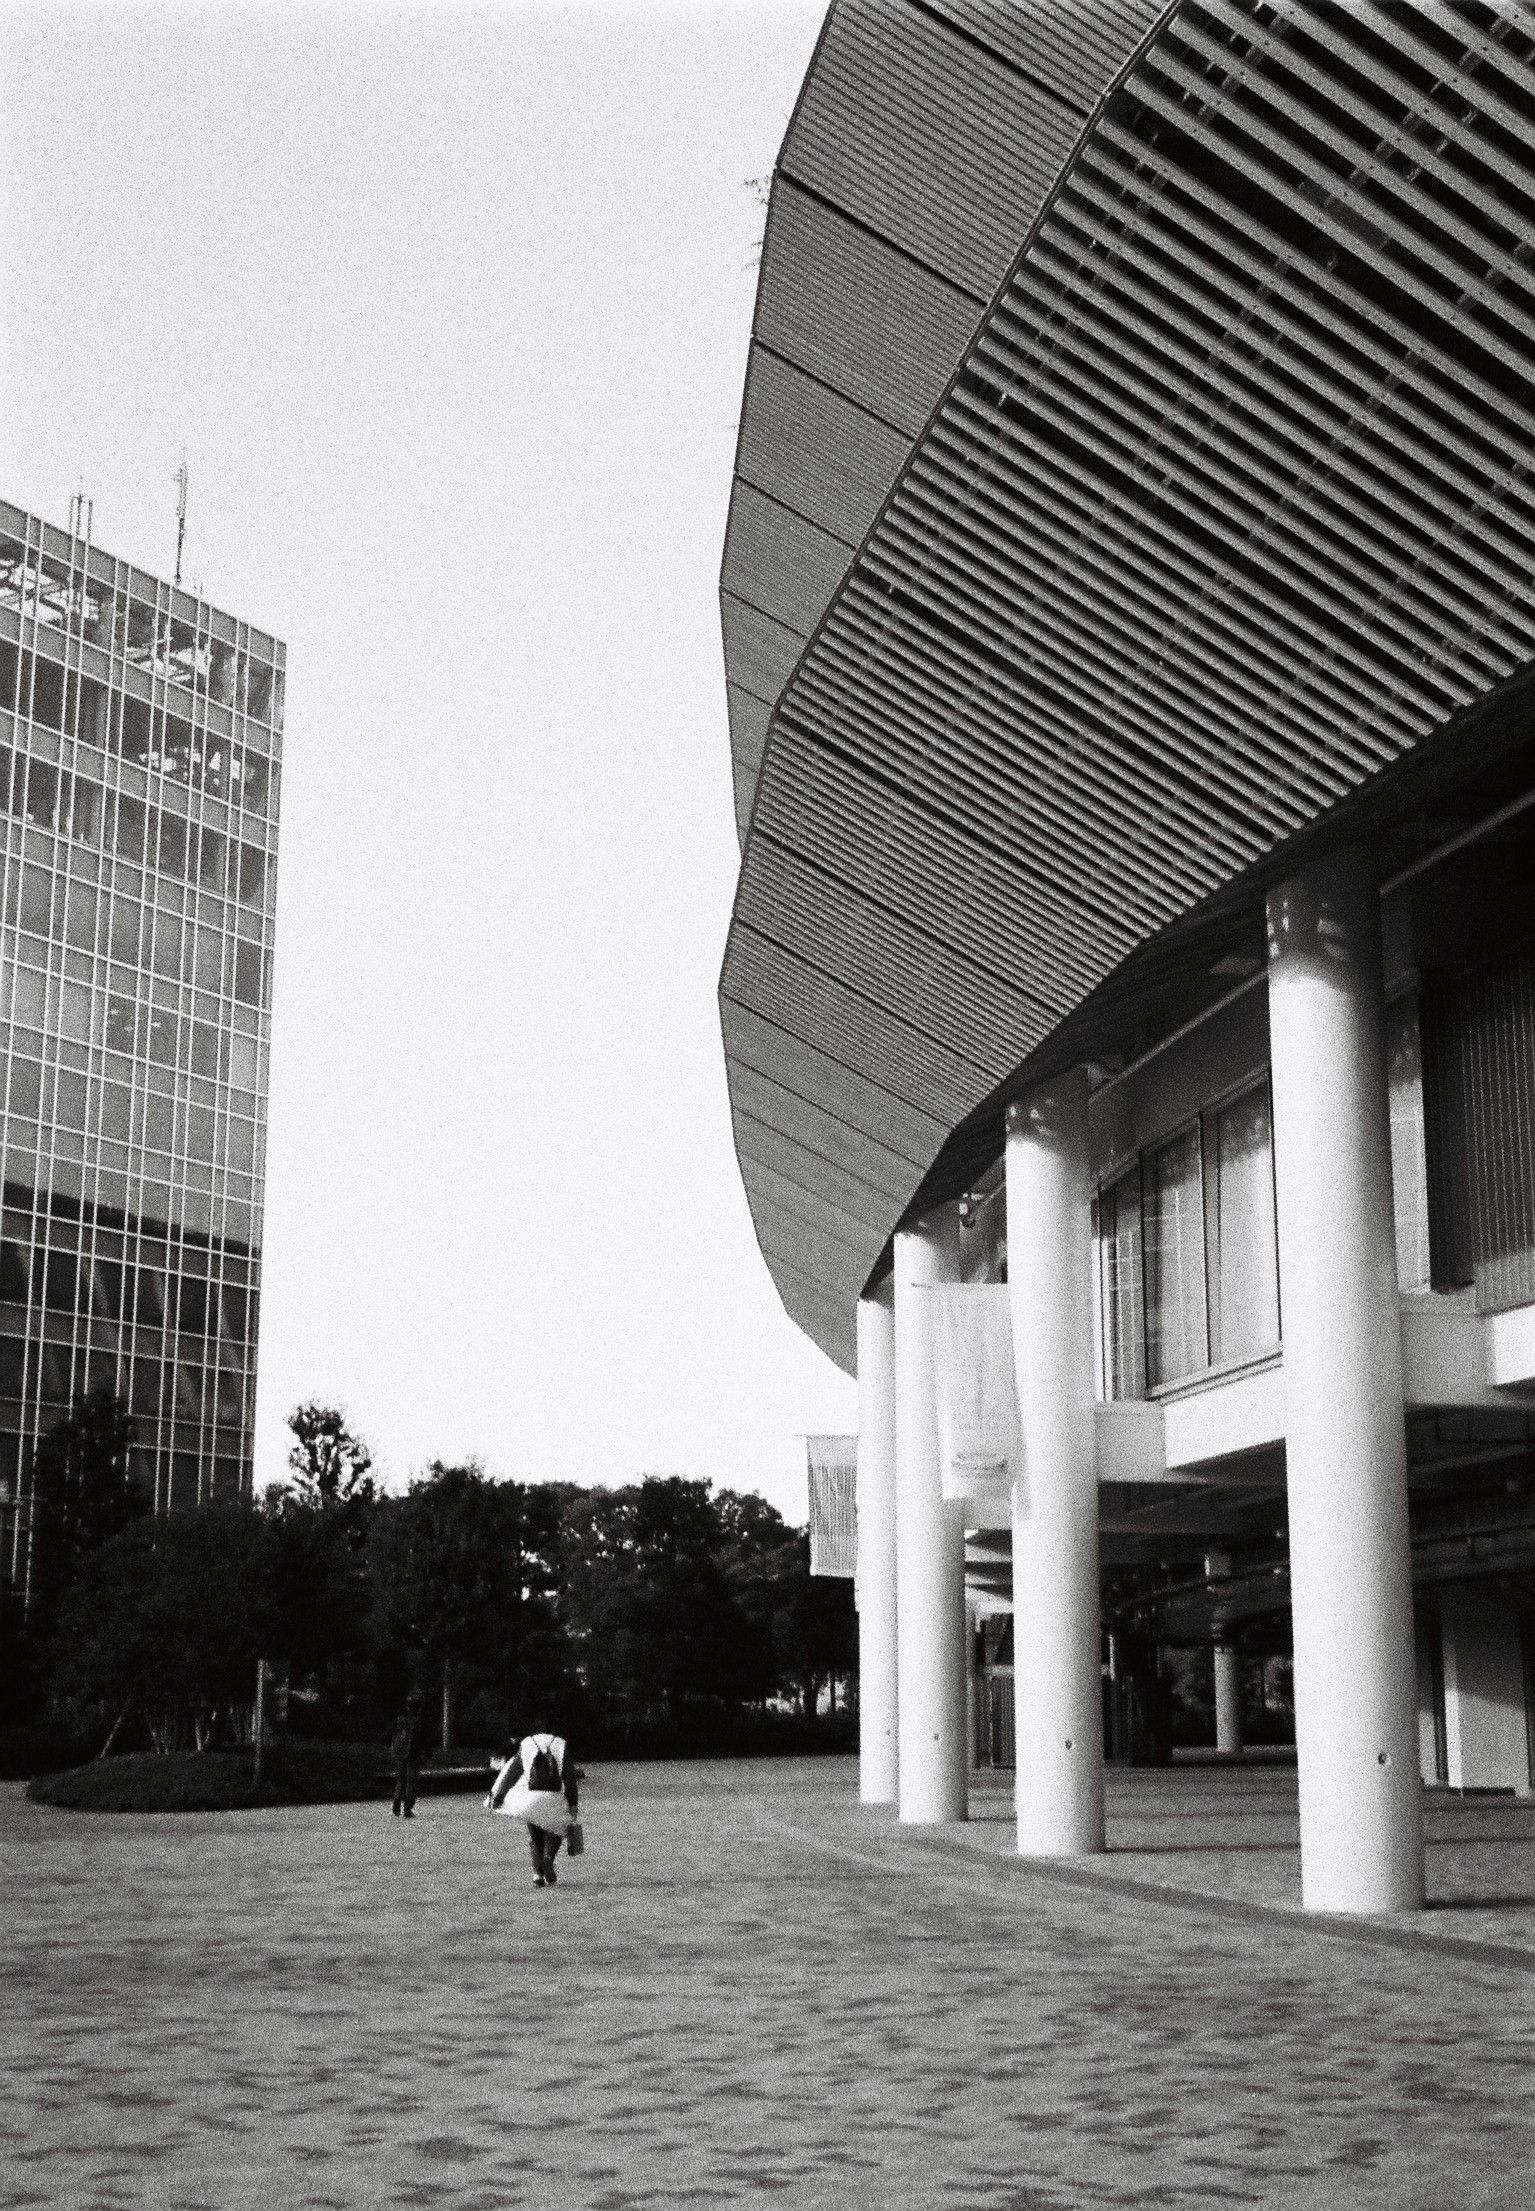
pixel 80 512
pixel 181 510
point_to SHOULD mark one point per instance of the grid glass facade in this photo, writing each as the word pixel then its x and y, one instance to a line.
pixel 140 750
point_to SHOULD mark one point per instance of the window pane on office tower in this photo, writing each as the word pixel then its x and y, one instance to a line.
pixel 1124 1295
pixel 1244 1261
pixel 1177 1339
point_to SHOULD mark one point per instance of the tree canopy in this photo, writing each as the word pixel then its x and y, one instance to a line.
pixel 331 1466
pixel 85 1491
pixel 629 1608
pixel 169 1616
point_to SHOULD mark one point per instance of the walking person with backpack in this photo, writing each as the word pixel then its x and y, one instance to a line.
pixel 538 1784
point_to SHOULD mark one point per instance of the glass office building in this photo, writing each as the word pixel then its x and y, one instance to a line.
pixel 140 748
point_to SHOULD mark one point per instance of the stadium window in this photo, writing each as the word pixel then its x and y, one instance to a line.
pixel 1122 1287
pixel 1172 1225
pixel 1241 1239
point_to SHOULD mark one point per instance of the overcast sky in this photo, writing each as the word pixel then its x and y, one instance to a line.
pixel 449 308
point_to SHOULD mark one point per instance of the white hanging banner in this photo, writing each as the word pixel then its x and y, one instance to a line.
pixel 831 1470
pixel 980 1439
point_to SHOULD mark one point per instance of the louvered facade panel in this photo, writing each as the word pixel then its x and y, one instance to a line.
pixel 759 652
pixel 753 1042
pixel 748 728
pixel 773 1171
pixel 830 460
pixel 1073 46
pixel 1223 519
pixel 839 815
pixel 777 561
pixel 820 1134
pixel 823 1319
pixel 743 784
pixel 944 151
pixel 857 314
pixel 940 993
pixel 869 1037
pixel 767 1159
pixel 818 1254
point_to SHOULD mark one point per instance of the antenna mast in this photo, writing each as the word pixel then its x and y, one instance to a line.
pixel 181 510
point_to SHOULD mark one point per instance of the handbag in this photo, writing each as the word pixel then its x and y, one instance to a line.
pixel 575 1839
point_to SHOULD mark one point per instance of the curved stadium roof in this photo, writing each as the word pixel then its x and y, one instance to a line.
pixel 1133 485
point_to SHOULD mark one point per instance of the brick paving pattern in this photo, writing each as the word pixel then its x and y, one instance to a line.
pixel 751 1992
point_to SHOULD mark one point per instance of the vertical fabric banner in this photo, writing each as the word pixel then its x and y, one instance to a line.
pixel 831 1472
pixel 980 1438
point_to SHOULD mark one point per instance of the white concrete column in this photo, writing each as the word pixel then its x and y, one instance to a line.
pixel 1350 1558
pixel 1226 1665
pixel 877 1758
pixel 931 1658
pixel 1057 1675
pixel 1228 1698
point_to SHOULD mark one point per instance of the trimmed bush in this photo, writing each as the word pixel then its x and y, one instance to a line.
pixel 219 1780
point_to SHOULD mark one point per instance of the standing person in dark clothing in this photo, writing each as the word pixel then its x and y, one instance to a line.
pixel 538 1784
pixel 404 1746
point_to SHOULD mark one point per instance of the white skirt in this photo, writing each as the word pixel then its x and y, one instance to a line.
pixel 545 1808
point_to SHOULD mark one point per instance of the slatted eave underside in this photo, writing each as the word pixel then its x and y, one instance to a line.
pixel 945 151
pixel 916 161
pixel 1227 512
pixel 1075 47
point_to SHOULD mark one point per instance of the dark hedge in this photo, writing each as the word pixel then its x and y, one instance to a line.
pixel 219 1780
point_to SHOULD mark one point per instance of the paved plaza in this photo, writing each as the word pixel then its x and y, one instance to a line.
pixel 750 1991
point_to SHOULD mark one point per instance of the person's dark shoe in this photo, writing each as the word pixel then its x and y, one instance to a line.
pixel 395 1809
pixel 549 1876
pixel 539 1882
pixel 408 1813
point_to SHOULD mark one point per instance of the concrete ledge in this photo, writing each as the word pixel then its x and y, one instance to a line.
pixel 1452 1356
pixel 1511 1347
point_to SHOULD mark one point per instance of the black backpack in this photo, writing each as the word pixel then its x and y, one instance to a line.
pixel 544 1773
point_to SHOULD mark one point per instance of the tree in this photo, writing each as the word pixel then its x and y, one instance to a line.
pixel 760 1556
pixel 331 1467
pixel 806 1621
pixel 318 1529
pixel 650 1605
pixel 815 1625
pixel 84 1490
pixel 464 1571
pixel 170 1615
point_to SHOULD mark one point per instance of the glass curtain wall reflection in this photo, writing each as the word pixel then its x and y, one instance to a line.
pixel 140 749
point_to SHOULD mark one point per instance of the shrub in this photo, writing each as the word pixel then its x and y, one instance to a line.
pixel 219 1781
